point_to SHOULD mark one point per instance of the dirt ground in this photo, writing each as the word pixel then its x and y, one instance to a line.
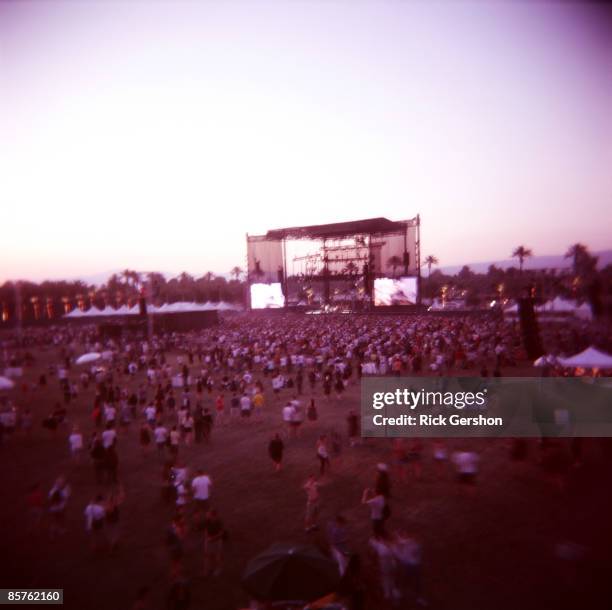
pixel 494 549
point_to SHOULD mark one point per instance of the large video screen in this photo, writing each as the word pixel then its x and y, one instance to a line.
pixel 395 291
pixel 267 296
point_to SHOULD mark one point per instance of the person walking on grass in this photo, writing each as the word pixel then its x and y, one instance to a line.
pixel 220 408
pixel 258 405
pixel 145 438
pixel 174 438
pixel 338 542
pixel 207 425
pixel 311 487
pixel 95 515
pixel 466 465
pixel 58 500
pixel 407 552
pixel 379 510
pixel 323 455
pixel 288 416
pixel 213 544
pixel 76 444
pixel 275 451
pixel 201 486
pixel 161 438
pixel 245 407
pixel 352 421
pixel 381 544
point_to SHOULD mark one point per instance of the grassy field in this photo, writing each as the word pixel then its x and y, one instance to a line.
pixel 491 549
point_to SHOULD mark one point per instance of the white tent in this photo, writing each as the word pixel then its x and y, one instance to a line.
pixel 558 304
pixel 542 361
pixel 90 357
pixel 590 358
pixel 584 312
pixel 6 383
pixel 561 305
pixel 511 308
pixel 75 313
pixel 177 307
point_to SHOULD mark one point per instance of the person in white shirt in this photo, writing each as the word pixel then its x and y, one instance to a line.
pixel 161 436
pixel 95 515
pixel 182 494
pixel 188 425
pixel 175 438
pixel 58 499
pixel 466 464
pixel 245 406
pixel 278 382
pixel 201 486
pixel 109 437
pixel 75 441
pixel 407 553
pixel 110 413
pixel 150 412
pixel 288 416
pixel 386 563
pixel 376 503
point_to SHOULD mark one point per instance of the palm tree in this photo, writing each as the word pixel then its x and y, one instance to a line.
pixel 131 278
pixel 522 253
pixel 209 276
pixel 577 252
pixel 394 262
pixel 236 272
pixel 157 283
pixel 185 279
pixel 430 261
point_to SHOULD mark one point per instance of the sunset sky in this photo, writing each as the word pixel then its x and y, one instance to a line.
pixel 155 135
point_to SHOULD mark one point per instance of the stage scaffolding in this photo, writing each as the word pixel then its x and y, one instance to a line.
pixel 354 252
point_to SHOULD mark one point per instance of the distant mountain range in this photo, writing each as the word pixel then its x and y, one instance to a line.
pixel 535 262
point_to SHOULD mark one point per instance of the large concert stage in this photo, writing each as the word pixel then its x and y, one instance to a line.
pixel 345 266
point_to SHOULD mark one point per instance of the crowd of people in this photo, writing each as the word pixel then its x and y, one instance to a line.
pixel 173 393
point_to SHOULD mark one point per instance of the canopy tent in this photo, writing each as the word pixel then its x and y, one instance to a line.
pixel 511 308
pixel 561 305
pixel 90 357
pixel 179 307
pixel 590 358
pixel 6 383
pixel 548 360
pixel 75 313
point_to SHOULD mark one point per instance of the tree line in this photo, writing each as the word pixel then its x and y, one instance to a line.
pixel 52 299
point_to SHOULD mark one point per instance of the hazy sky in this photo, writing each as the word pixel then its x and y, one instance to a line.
pixel 154 135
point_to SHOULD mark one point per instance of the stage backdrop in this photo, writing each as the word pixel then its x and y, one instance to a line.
pixel 265 259
pixel 392 246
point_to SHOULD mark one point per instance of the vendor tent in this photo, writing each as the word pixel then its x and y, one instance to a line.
pixel 590 358
pixel 6 383
pixel 90 357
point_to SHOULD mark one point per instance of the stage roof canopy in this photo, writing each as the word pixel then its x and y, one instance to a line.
pixel 338 230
